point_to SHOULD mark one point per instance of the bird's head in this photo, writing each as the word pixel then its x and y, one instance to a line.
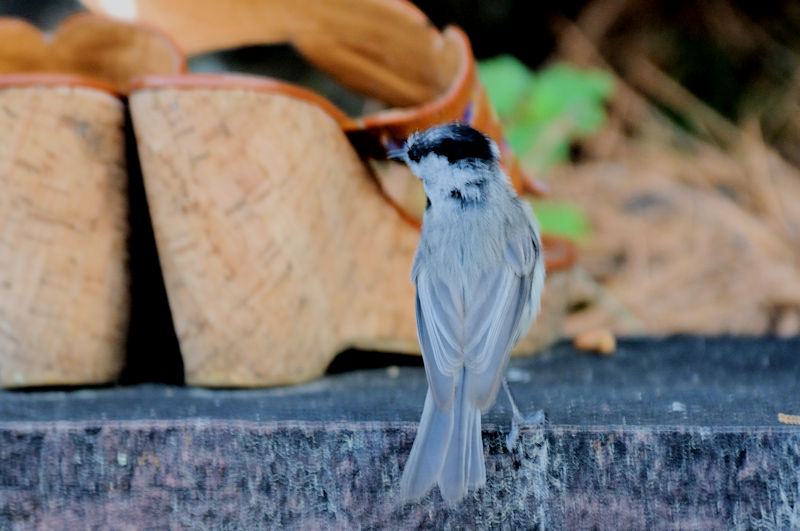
pixel 453 161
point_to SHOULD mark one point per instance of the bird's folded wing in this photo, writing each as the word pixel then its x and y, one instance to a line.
pixel 496 307
pixel 474 326
pixel 439 324
pixel 478 338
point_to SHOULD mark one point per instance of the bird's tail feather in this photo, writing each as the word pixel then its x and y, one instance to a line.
pixel 447 450
pixel 427 454
pixel 463 462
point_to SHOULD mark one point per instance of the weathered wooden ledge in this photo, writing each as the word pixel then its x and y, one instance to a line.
pixel 682 432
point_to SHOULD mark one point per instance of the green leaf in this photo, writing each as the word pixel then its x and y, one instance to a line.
pixel 506 81
pixel 544 113
pixel 564 219
pixel 522 135
pixel 563 90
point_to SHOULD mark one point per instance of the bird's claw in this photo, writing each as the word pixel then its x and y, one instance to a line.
pixel 537 418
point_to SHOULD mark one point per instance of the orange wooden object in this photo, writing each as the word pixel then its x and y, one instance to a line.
pixel 385 49
pixel 64 294
pixel 277 247
pixel 105 52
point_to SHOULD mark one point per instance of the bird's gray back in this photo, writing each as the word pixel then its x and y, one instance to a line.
pixel 466 244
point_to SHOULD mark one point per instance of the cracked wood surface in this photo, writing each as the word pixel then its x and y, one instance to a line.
pixel 63 223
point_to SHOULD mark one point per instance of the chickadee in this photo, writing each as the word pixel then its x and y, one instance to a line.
pixel 479 274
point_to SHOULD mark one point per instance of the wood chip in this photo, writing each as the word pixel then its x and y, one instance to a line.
pixel 785 418
pixel 600 341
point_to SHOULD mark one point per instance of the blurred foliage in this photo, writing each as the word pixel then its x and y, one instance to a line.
pixel 543 114
pixel 562 219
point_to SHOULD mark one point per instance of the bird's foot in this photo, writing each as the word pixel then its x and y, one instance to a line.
pixel 537 418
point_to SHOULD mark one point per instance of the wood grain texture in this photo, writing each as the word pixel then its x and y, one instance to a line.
pixel 277 246
pixel 63 223
pixel 274 251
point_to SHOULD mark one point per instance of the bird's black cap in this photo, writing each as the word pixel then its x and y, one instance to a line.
pixel 455 141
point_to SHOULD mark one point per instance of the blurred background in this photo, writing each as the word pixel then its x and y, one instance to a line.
pixel 668 134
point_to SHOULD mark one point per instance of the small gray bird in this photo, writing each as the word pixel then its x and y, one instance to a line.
pixel 479 274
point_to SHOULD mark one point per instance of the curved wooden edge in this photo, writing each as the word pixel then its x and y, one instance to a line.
pixel 400 122
pixel 197 33
pixel 20 23
pixel 50 73
pixel 77 19
pixel 560 253
pixel 448 106
pixel 22 47
pixel 52 79
pixel 456 104
pixel 239 82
